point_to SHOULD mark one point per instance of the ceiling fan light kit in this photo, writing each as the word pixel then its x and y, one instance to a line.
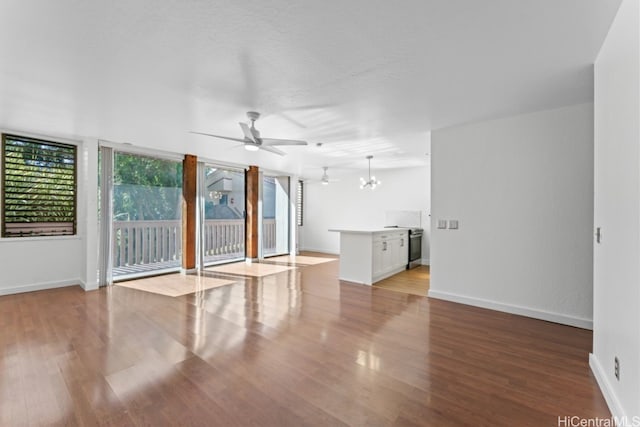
pixel 325 176
pixel 253 141
pixel 372 182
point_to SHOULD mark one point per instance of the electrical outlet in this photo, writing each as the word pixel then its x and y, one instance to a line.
pixel 616 367
pixel 442 223
pixel 453 224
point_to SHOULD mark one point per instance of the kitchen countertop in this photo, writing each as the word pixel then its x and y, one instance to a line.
pixel 368 230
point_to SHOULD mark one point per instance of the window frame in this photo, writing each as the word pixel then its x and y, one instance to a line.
pixel 41 141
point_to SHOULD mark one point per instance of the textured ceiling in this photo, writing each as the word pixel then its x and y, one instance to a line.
pixel 360 76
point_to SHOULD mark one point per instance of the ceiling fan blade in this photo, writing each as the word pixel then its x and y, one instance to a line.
pixel 247 132
pixel 219 136
pixel 272 150
pixel 272 141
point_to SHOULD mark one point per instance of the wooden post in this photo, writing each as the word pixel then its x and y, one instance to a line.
pixel 251 235
pixel 189 203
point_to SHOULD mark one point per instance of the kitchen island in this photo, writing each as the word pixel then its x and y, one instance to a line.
pixel 370 255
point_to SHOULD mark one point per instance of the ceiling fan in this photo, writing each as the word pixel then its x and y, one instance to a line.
pixel 325 177
pixel 252 140
pixel 324 180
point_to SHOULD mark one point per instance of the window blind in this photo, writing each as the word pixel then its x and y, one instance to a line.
pixel 38 187
pixel 300 203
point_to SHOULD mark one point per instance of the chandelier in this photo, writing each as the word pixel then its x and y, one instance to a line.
pixel 215 195
pixel 372 182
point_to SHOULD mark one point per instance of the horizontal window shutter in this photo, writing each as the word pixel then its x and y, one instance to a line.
pixel 38 187
pixel 300 203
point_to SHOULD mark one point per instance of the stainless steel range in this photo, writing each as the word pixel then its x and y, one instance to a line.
pixel 415 245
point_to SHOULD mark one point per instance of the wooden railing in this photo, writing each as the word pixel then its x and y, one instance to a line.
pixel 146 242
pixel 223 238
pixel 143 243
pixel 269 235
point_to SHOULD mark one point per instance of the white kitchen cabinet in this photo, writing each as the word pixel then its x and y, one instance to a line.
pixel 387 256
pixel 367 256
pixel 393 256
pixel 378 258
pixel 400 250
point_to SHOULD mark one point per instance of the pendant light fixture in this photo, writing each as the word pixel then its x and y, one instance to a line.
pixel 372 182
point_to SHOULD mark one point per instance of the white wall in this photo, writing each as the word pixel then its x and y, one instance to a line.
pixel 88 212
pixel 34 263
pixel 522 190
pixel 617 211
pixel 344 205
pixel 39 263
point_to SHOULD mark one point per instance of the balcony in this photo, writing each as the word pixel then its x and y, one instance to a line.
pixel 140 247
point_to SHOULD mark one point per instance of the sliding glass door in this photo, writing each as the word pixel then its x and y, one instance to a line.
pixel 222 213
pixel 140 214
pixel 275 215
pixel 146 210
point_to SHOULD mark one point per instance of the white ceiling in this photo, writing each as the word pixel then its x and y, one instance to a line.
pixel 359 76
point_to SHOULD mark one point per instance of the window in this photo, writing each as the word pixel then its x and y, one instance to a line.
pixel 300 203
pixel 38 187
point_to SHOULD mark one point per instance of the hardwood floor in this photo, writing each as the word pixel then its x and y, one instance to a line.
pixel 291 349
pixel 415 281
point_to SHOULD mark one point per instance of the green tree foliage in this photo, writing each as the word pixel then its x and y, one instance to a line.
pixel 146 188
pixel 39 181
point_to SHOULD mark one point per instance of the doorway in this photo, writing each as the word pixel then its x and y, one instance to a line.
pixel 275 215
pixel 140 215
pixel 222 214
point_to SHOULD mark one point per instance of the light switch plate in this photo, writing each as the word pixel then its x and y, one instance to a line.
pixel 453 224
pixel 442 223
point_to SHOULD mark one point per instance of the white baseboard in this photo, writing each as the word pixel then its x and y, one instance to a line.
pixel 40 286
pixel 424 261
pixel 605 387
pixel 514 309
pixel 89 286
